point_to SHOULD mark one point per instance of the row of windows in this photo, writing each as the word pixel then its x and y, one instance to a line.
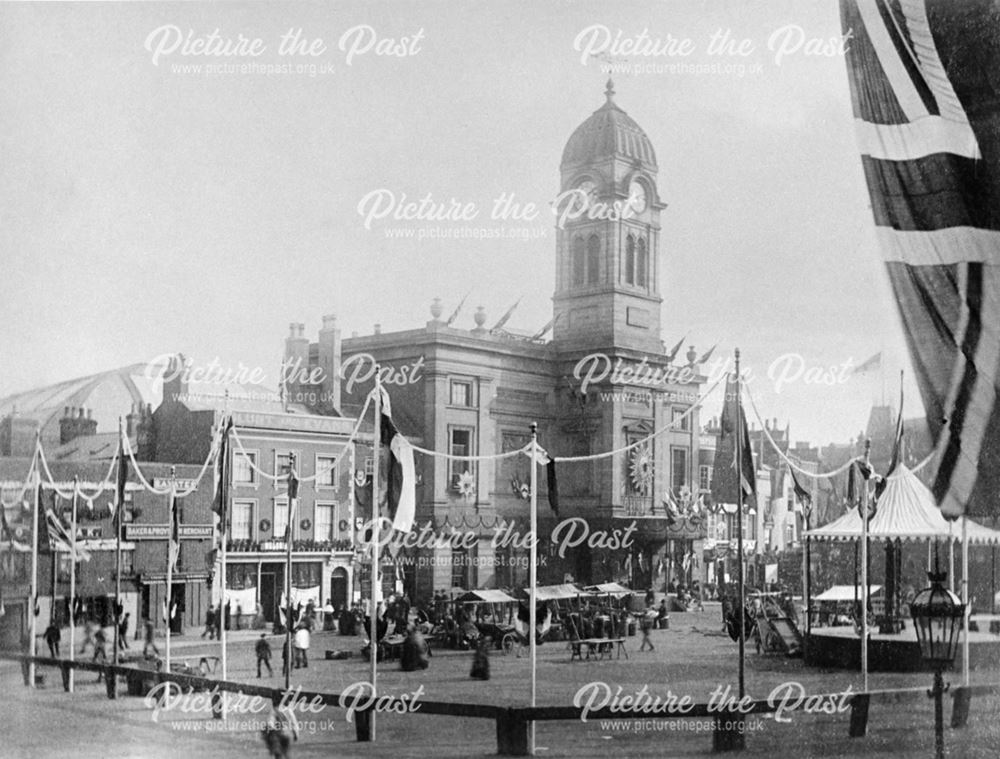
pixel 246 464
pixel 327 521
pixel 587 261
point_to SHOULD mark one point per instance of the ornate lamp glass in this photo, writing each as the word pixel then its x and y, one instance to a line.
pixel 937 616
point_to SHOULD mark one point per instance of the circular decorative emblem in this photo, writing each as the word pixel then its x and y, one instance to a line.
pixel 360 478
pixel 641 469
pixel 305 524
pixel 467 484
pixel 265 525
pixel 343 525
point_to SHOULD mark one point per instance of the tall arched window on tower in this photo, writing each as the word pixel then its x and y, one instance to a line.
pixel 579 261
pixel 593 260
pixel 630 260
pixel 642 265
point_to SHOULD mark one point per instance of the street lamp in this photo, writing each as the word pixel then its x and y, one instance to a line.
pixel 937 616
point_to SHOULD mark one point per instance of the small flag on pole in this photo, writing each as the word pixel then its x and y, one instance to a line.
pixel 873 364
pixel 175 532
pixel 401 476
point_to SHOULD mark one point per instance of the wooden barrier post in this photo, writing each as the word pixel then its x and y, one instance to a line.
pixel 859 715
pixel 363 725
pixel 728 734
pixel 110 679
pixel 512 733
pixel 65 669
pixel 960 710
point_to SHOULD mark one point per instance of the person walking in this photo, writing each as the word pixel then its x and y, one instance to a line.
pixel 150 642
pixel 100 653
pixel 123 632
pixel 52 637
pixel 88 637
pixel 284 658
pixel 263 649
pixel 209 623
pixel 647 625
pixel 302 646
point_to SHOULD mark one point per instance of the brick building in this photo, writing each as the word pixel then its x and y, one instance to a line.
pixel 271 430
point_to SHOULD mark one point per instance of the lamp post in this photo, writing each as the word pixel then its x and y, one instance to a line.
pixel 937 617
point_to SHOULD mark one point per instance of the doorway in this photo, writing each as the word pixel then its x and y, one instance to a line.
pixel 338 588
pixel 272 585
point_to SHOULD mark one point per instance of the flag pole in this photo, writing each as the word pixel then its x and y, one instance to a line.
pixel 222 470
pixel 740 591
pixel 864 569
pixel 965 600
pixel 288 574
pixel 170 562
pixel 119 518
pixel 373 631
pixel 533 579
pixel 72 579
pixel 33 601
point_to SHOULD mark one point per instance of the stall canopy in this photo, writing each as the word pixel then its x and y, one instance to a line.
pixel 906 511
pixel 845 593
pixel 485 596
pixel 609 588
pixel 555 592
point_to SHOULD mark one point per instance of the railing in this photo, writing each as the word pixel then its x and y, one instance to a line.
pixel 512 723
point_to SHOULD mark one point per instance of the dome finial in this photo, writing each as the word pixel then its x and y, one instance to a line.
pixel 609 90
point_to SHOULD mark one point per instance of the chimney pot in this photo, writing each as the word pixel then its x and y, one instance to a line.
pixel 291 329
pixel 378 329
pixel 66 411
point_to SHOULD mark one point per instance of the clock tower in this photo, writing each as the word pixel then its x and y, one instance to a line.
pixel 607 238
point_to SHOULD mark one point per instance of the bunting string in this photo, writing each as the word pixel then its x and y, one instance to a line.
pixel 67 496
pixel 319 473
pixel 180 493
pixel 24 488
pixel 781 454
pixel 639 443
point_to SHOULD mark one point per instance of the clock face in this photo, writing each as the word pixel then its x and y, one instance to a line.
pixel 637 196
pixel 589 189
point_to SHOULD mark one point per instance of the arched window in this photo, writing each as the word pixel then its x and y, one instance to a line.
pixel 642 265
pixel 579 261
pixel 630 260
pixel 593 260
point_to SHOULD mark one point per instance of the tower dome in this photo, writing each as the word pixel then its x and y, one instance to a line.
pixel 608 132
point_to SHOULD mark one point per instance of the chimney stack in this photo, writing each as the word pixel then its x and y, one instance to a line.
pixel 76 423
pixel 328 356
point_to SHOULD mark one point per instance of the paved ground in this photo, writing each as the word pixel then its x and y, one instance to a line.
pixel 691 658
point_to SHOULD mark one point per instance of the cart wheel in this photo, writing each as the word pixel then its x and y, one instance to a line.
pixel 509 643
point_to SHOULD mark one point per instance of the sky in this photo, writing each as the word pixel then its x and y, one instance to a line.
pixel 149 205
